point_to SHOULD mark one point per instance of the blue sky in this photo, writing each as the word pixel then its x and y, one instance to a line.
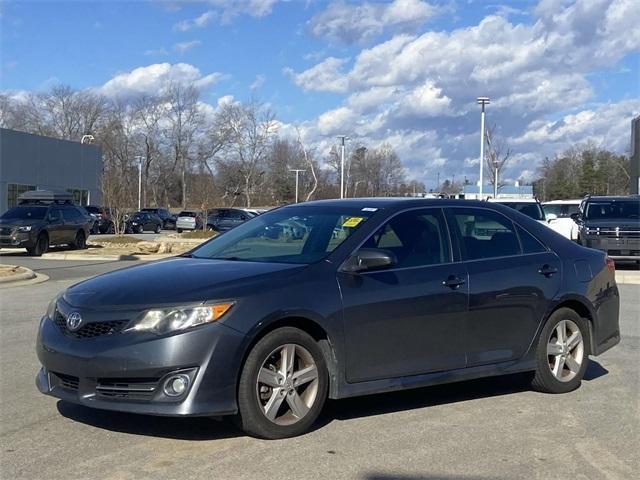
pixel 399 71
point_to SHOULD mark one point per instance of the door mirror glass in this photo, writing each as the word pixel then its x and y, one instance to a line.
pixel 367 259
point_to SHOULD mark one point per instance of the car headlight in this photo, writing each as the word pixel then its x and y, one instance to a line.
pixel 51 309
pixel 26 228
pixel 167 320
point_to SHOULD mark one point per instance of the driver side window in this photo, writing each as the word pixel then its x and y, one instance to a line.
pixel 417 238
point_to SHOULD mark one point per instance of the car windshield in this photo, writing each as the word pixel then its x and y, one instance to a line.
pixel 186 214
pixel 530 209
pixel 561 210
pixel 623 209
pixel 291 235
pixel 25 213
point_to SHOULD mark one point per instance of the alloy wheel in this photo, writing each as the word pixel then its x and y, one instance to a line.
pixel 565 350
pixel 287 384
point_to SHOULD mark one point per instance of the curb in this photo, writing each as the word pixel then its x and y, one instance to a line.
pixel 28 275
pixel 38 278
pixel 628 277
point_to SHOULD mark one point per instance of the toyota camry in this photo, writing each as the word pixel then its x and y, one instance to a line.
pixel 375 295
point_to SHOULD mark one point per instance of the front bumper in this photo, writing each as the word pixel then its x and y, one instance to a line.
pixel 618 248
pixel 17 240
pixel 126 372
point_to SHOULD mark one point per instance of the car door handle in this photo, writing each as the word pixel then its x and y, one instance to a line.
pixel 547 270
pixel 453 282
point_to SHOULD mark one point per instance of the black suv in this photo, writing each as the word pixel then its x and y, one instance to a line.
pixel 611 224
pixel 103 223
pixel 168 220
pixel 44 218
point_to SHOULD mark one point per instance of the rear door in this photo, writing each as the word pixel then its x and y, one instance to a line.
pixel 512 278
pixel 56 227
pixel 408 319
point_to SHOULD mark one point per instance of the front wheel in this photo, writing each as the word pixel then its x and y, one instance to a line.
pixel 41 246
pixel 158 229
pixel 562 355
pixel 283 385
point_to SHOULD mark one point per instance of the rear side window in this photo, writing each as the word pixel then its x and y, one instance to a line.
pixel 530 244
pixel 485 234
pixel 417 238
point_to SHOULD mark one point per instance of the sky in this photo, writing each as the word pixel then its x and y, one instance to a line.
pixel 406 72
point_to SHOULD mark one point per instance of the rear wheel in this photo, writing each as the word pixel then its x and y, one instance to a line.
pixel 179 230
pixel 158 229
pixel 283 385
pixel 80 242
pixel 41 246
pixel 563 354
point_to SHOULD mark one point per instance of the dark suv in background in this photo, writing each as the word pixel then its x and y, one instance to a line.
pixel 224 219
pixel 611 224
pixel 168 220
pixel 43 218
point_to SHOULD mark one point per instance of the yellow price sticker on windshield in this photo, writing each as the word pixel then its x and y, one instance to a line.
pixel 353 222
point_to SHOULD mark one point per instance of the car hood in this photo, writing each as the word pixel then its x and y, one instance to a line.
pixel 175 281
pixel 18 222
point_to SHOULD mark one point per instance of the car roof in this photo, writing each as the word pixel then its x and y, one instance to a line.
pixel 391 203
pixel 513 200
pixel 612 198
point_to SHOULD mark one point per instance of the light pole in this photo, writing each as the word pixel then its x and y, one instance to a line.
pixel 139 157
pixel 342 139
pixel 297 170
pixel 482 101
pixel 495 179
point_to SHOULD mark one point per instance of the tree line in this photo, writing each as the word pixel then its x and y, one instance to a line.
pixel 580 171
pixel 192 154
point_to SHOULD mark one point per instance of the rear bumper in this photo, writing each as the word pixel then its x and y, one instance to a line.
pixel 128 375
pixel 618 248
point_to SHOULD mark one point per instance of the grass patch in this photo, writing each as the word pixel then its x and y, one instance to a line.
pixel 115 240
pixel 198 234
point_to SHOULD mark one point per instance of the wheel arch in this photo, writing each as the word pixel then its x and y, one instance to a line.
pixel 579 305
pixel 305 323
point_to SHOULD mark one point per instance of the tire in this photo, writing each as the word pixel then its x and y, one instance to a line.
pixel 42 245
pixel 158 229
pixel 80 242
pixel 280 391
pixel 561 366
pixel 111 229
pixel 140 229
pixel 179 230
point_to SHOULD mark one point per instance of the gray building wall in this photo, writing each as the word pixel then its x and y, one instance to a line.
pixel 48 163
pixel 635 156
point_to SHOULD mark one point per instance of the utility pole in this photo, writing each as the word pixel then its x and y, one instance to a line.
pixel 297 170
pixel 438 183
pixel 342 139
pixel 139 182
pixel 482 101
pixel 495 179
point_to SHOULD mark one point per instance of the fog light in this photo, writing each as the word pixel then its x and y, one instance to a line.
pixel 176 385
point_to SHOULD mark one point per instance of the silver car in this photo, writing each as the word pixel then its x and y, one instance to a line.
pixel 188 220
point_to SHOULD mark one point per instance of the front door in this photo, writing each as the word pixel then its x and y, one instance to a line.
pixel 408 319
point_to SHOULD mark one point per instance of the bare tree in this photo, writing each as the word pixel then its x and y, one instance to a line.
pixel 498 155
pixel 308 160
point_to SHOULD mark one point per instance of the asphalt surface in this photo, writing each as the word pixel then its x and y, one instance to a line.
pixel 484 429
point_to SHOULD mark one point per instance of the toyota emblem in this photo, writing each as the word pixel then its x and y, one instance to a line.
pixel 74 320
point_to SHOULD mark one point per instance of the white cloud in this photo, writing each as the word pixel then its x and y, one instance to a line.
pixel 200 21
pixel 224 11
pixel 351 23
pixel 184 47
pixel 258 82
pixel 326 76
pixel 153 78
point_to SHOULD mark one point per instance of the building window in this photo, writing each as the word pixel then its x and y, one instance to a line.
pixel 80 197
pixel 14 190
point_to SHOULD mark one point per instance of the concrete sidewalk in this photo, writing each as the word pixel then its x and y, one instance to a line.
pixel 631 277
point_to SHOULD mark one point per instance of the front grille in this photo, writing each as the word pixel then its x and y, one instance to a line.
pixel 127 388
pixel 66 381
pixel 6 230
pixel 90 330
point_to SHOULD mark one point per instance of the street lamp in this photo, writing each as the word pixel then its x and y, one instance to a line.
pixel 342 139
pixel 297 170
pixel 482 101
pixel 139 158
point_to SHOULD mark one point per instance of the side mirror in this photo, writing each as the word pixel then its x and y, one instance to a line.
pixel 576 217
pixel 551 217
pixel 369 259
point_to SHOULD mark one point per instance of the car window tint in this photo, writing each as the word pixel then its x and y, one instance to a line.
pixel 417 238
pixel 485 234
pixel 530 244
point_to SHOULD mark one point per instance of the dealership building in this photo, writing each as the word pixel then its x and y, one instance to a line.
pixel 34 162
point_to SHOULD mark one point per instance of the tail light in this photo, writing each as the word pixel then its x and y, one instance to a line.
pixel 611 265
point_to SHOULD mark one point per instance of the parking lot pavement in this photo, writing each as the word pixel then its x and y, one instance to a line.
pixel 485 429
